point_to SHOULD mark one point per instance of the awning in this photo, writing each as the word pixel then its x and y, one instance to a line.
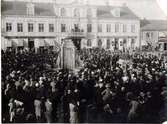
pixel 20 42
pixel 8 43
pixel 41 42
pixel 162 34
pixel 14 42
pixel 5 43
pixel 49 42
pixel 25 42
pixel 162 39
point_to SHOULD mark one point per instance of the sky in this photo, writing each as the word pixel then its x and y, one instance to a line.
pixel 149 9
pixel 163 5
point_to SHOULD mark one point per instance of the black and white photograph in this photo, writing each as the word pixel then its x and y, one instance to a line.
pixel 84 61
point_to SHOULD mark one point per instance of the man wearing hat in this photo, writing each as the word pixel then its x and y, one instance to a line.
pixel 107 93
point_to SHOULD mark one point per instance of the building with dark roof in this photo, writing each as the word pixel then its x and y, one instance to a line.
pixel 33 25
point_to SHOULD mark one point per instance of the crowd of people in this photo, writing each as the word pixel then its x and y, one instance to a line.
pixel 103 90
pixel 24 59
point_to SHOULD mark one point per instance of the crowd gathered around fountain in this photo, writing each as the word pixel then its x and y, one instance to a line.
pixel 107 88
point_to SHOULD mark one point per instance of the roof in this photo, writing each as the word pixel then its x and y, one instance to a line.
pixel 105 12
pixel 19 8
pixel 47 9
pixel 153 25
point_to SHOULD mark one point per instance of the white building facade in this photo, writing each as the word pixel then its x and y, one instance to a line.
pixel 45 25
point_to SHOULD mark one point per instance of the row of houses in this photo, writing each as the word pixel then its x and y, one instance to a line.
pixel 44 25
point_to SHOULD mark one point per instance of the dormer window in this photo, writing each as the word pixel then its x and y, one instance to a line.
pixel 76 12
pixel 116 12
pixel 89 12
pixel 117 27
pixel 63 12
pixel 133 28
pixel 30 9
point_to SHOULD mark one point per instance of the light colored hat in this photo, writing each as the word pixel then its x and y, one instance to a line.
pixel 100 80
pixel 108 85
pixel 37 85
pixel 125 78
pixel 40 82
pixel 18 71
pixel 17 83
pixel 26 82
pixel 40 78
pixel 76 90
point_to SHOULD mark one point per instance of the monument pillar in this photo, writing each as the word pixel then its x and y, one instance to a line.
pixel 68 55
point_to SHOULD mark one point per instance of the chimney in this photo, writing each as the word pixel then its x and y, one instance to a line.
pixel 30 9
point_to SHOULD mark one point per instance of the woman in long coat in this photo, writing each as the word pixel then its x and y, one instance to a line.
pixel 133 114
pixel 74 118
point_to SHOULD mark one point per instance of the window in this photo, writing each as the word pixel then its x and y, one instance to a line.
pixel 124 28
pixel 76 27
pixel 30 9
pixel 116 45
pixel 30 27
pixel 147 35
pixel 133 28
pixel 89 12
pixel 113 43
pixel 8 27
pixel 132 43
pixel 165 46
pixel 41 49
pixel 51 27
pixel 41 27
pixel 76 12
pixel 152 35
pixel 117 27
pixel 63 28
pixel 99 27
pixel 124 45
pixel 63 12
pixel 19 27
pixel 117 12
pixel 121 43
pixel 108 27
pixel 124 41
pixel 89 27
pixel 89 42
pixel 99 43
pixel 108 44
